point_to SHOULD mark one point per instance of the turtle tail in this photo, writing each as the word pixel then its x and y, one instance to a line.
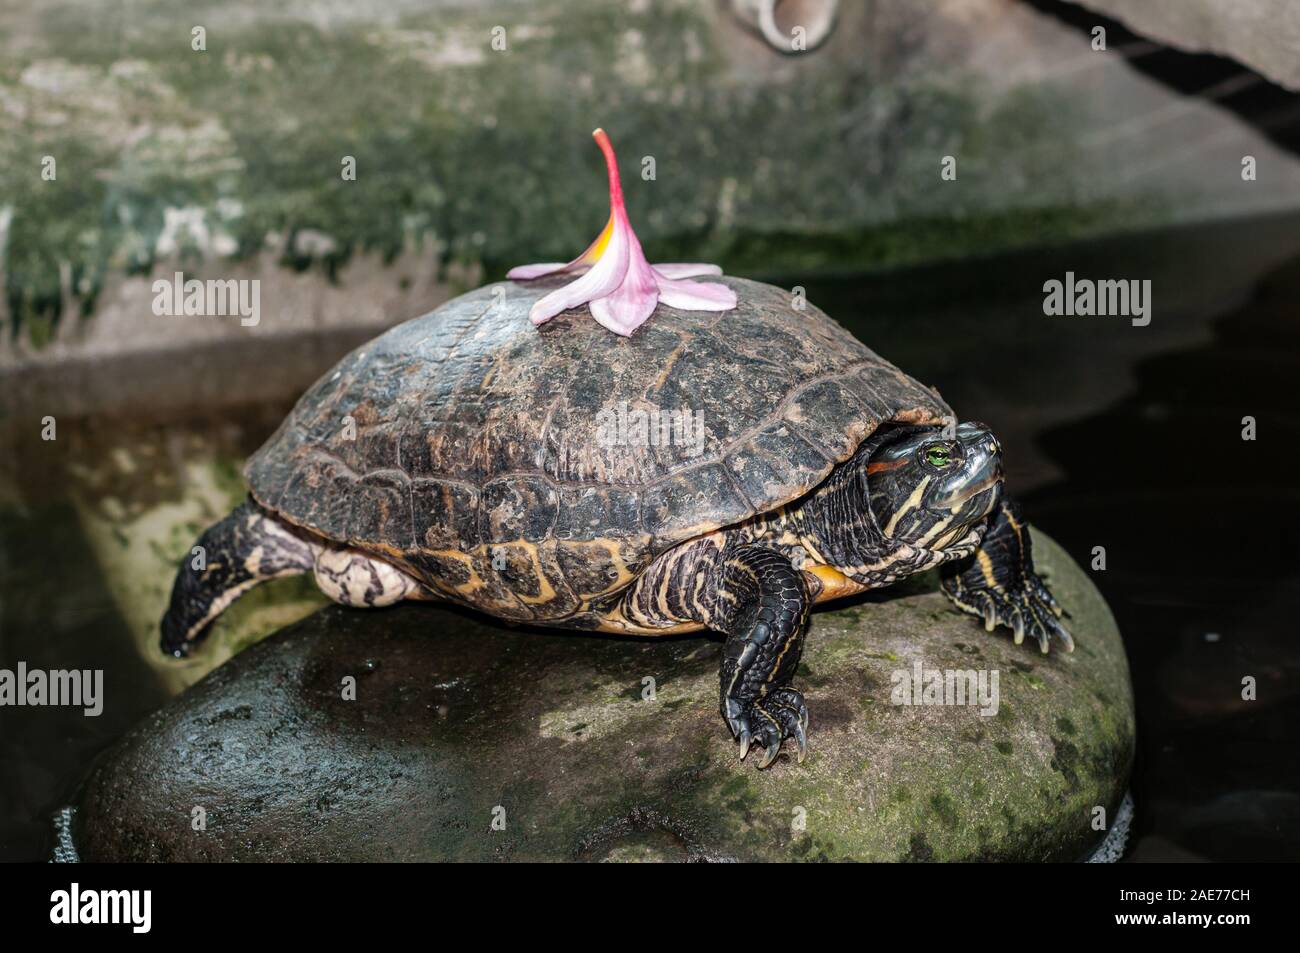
pixel 247 547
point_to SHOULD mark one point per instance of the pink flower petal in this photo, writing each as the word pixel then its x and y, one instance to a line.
pixel 696 295
pixel 603 279
pixel 686 269
pixel 578 265
pixel 627 308
pixel 525 272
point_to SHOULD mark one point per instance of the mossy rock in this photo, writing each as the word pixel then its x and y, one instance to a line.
pixel 468 740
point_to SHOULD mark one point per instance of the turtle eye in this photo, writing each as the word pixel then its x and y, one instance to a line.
pixel 937 456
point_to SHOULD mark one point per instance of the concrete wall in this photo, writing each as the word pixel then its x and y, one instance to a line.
pixel 225 163
pixel 1263 34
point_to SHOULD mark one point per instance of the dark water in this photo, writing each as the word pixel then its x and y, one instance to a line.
pixel 1131 438
pixel 56 614
pixel 1117 436
pixel 1204 574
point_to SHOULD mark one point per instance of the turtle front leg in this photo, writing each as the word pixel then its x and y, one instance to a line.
pixel 761 605
pixel 999 583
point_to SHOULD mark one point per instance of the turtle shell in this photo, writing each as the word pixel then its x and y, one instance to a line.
pixel 519 469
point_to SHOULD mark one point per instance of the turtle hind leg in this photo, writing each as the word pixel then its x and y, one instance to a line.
pixel 247 547
pixel 353 578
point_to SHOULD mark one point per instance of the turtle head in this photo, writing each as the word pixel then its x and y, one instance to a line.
pixel 928 487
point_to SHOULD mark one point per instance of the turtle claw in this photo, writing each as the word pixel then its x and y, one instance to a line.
pixel 1029 609
pixel 738 722
pixel 768 721
pixel 801 739
pixel 1054 630
pixel 1044 613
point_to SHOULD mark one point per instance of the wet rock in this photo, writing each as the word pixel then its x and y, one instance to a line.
pixel 468 740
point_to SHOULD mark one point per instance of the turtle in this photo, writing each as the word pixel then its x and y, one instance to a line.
pixel 719 471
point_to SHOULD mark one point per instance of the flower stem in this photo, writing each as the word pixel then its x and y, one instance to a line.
pixel 611 163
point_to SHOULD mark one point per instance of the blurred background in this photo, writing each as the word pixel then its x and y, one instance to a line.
pixel 211 138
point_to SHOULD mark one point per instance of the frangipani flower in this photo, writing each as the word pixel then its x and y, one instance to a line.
pixel 621 287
